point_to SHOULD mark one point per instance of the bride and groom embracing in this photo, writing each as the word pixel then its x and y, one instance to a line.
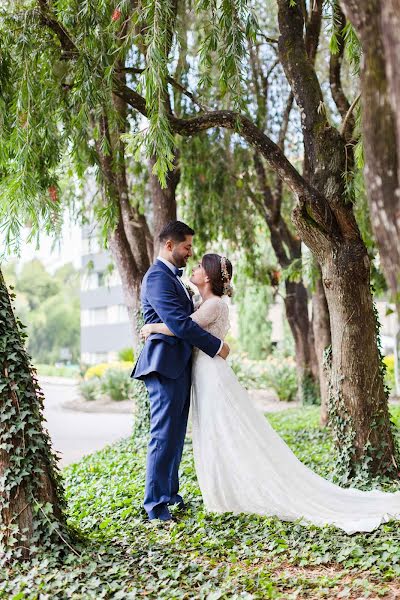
pixel 242 464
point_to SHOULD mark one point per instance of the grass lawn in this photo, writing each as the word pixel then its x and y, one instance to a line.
pixel 205 556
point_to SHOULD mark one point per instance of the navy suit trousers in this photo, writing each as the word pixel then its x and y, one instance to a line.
pixel 169 409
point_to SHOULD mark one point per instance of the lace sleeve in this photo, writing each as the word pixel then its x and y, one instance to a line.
pixel 207 313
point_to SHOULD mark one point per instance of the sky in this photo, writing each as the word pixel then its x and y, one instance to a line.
pixel 68 249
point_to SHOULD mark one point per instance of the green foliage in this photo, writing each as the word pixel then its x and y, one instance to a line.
pixel 204 555
pixel 111 381
pixel 127 355
pixel 254 327
pixel 116 385
pixel 100 369
pixel 55 92
pixel 389 374
pixel 158 139
pixel 50 305
pixel 89 389
pixel 27 458
pixel 44 370
pixel 245 370
pixel 211 194
pixel 280 374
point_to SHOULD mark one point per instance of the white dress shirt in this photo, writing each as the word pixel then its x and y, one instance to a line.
pixel 172 268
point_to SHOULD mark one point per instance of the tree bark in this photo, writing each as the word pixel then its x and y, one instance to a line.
pixel 28 468
pixel 163 199
pixel 359 404
pixel 390 24
pixel 381 149
pixel 296 306
pixel 360 419
pixel 322 340
pixel 287 249
pixel 130 242
pixel 130 278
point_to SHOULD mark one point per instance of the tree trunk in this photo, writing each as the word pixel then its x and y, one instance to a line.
pixel 129 242
pixel 322 340
pixel 296 305
pixel 287 248
pixel 391 40
pixel 31 495
pixel 379 127
pixel 358 406
pixel 130 280
pixel 163 200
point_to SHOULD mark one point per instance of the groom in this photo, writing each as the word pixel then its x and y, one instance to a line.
pixel 165 366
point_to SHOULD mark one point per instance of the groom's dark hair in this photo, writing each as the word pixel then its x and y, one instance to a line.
pixel 176 231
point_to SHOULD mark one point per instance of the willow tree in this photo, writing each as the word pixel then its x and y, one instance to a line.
pixel 323 214
pixel 60 65
pixel 90 40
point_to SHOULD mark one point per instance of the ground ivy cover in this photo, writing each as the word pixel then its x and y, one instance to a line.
pixel 202 555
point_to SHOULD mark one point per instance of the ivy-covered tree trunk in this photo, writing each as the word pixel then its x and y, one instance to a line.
pixel 358 406
pixel 31 495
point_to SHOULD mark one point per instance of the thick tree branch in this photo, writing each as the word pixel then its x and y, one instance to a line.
pixel 285 121
pixel 175 84
pixel 258 140
pixel 313 30
pixel 66 42
pixel 317 206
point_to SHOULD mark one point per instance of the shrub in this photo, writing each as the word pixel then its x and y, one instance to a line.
pixel 117 385
pixel 126 355
pixel 90 390
pixel 244 371
pixel 53 371
pixel 389 376
pixel 280 375
pixel 100 369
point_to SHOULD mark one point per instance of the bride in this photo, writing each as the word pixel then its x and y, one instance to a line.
pixel 242 464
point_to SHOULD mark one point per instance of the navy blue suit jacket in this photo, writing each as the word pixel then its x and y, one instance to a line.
pixel 164 301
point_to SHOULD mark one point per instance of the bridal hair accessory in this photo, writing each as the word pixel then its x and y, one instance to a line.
pixel 227 291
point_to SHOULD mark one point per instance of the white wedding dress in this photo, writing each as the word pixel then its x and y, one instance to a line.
pixel 242 464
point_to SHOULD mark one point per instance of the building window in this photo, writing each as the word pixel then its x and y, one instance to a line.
pixel 117 314
pixel 90 246
pixel 94 316
pixel 104 315
pixel 92 280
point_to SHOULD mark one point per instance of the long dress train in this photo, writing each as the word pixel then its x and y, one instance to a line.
pixel 243 465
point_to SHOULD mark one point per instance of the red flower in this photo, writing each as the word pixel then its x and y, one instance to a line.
pixel 116 15
pixel 53 193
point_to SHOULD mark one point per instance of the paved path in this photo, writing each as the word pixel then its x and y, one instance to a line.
pixel 78 428
pixel 75 434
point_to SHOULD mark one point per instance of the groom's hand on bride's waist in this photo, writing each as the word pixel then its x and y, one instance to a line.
pixel 223 353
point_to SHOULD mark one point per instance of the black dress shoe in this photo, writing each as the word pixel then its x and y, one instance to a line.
pixel 160 513
pixel 178 504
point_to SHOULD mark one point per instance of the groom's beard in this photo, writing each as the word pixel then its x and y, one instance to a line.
pixel 179 260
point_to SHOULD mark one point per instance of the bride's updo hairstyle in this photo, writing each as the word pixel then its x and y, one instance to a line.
pixel 219 271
